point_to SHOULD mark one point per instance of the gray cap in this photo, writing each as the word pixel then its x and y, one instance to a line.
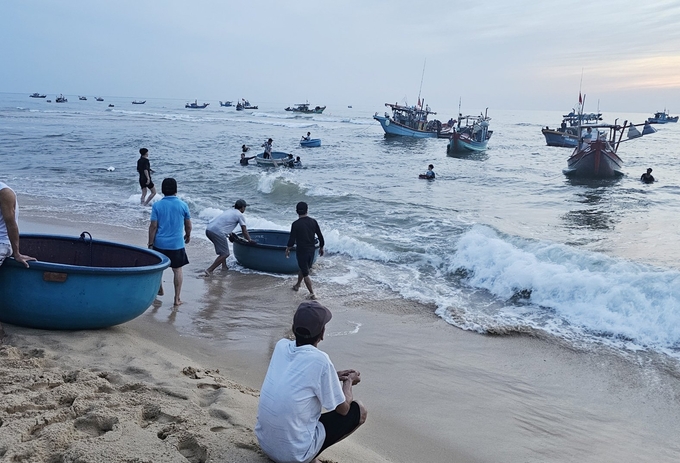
pixel 240 203
pixel 310 319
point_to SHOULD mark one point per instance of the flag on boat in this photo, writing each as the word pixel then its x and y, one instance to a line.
pixel 580 100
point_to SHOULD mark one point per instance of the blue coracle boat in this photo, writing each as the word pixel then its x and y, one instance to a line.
pixel 267 254
pixel 311 143
pixel 78 283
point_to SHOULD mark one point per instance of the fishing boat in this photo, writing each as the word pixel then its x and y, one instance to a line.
pixel 596 156
pixel 470 134
pixel 195 105
pixel 139 102
pixel 78 283
pixel 268 252
pixel 37 95
pixel 311 143
pixel 61 99
pixel 226 103
pixel 98 98
pixel 244 104
pixel 278 159
pixel 305 109
pixel 662 117
pixel 409 121
pixel 82 98
pixel 567 134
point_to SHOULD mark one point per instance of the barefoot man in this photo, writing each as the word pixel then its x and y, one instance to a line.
pixel 169 231
pixel 144 169
pixel 302 236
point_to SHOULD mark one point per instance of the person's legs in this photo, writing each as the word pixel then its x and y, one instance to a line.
pixel 339 427
pixel 296 286
pixel 177 281
pixel 144 190
pixel 221 243
pixel 219 260
pixel 148 200
pixel 308 284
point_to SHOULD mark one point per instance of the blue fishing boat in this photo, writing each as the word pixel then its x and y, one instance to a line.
pixel 78 283
pixel 226 103
pixel 267 254
pixel 139 102
pixel 305 109
pixel 61 99
pixel 470 134
pixel 277 159
pixel 567 134
pixel 195 105
pixel 662 117
pixel 37 95
pixel 409 121
pixel 311 143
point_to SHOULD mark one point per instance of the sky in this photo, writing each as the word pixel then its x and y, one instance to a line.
pixel 502 54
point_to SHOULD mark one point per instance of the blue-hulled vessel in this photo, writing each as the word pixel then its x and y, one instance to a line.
pixel 78 283
pixel 267 254
pixel 311 143
pixel 409 121
pixel 471 134
pixel 278 159
pixel 567 135
pixel 662 117
pixel 305 109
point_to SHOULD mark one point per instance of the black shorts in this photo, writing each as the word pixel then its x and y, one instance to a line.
pixel 305 259
pixel 143 184
pixel 178 257
pixel 338 426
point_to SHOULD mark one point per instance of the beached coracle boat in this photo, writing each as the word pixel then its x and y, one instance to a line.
pixel 305 109
pixel 195 105
pixel 37 95
pixel 278 159
pixel 662 118
pixel 78 283
pixel 567 134
pixel 311 143
pixel 471 134
pixel 139 102
pixel 409 121
pixel 267 254
pixel 596 156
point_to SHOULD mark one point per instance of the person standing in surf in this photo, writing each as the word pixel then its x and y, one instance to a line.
pixel 302 233
pixel 144 169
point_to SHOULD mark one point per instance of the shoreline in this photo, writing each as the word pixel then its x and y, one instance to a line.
pixel 433 392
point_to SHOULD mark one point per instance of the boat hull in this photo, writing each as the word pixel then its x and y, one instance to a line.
pixel 594 160
pixel 560 139
pixel 459 143
pixel 392 128
pixel 267 254
pixel 313 143
pixel 278 159
pixel 78 284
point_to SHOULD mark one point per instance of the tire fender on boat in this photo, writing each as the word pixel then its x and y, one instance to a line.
pixel 387 122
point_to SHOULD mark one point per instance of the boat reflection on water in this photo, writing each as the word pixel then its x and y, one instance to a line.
pixel 592 208
pixel 468 155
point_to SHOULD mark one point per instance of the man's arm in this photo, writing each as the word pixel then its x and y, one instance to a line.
pixel 187 230
pixel 321 240
pixel 244 230
pixel 8 202
pixel 291 239
pixel 348 378
pixel 153 228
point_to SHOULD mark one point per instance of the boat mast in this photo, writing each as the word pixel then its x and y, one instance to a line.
pixel 421 80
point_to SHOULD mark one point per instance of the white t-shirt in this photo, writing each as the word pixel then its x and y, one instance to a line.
pixel 300 382
pixel 4 237
pixel 226 222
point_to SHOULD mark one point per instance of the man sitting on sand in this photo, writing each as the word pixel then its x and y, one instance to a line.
pixel 300 381
pixel 218 231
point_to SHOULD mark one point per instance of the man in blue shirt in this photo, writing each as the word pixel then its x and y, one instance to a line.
pixel 169 231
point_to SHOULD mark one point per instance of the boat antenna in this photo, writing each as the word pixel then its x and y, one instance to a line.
pixel 421 80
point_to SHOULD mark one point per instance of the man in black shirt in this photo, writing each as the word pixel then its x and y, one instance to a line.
pixel 647 177
pixel 302 234
pixel 144 169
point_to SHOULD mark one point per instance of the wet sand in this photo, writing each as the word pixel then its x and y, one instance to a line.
pixel 434 393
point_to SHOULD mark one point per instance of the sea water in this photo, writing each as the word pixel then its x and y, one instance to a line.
pixel 501 242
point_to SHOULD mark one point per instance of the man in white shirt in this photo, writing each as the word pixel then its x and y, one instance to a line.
pixel 300 382
pixel 9 227
pixel 219 229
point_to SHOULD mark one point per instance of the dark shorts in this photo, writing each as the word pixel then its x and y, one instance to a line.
pixel 178 257
pixel 305 258
pixel 338 426
pixel 143 184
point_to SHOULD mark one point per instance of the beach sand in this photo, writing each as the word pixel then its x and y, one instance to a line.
pixel 161 388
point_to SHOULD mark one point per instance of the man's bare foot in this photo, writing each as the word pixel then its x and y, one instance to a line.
pixel 177 303
pixel 296 287
pixel 312 296
pixel 205 274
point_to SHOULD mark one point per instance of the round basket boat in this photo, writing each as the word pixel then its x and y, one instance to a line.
pixel 268 253
pixel 78 283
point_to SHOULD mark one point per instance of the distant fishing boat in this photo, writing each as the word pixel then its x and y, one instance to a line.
pixel 409 121
pixel 98 98
pixel 195 105
pixel 226 103
pixel 567 135
pixel 61 99
pixel 305 109
pixel 471 134
pixel 662 117
pixel 82 98
pixel 244 104
pixel 139 102
pixel 37 95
